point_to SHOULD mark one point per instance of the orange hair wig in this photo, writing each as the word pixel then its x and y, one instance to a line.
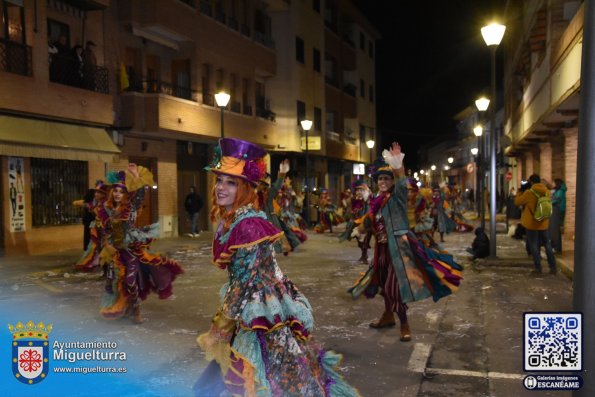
pixel 246 194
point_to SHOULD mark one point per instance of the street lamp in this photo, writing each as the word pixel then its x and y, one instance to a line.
pixel 478 131
pixel 433 167
pixel 492 35
pixel 370 144
pixel 482 104
pixel 474 151
pixel 306 125
pixel 222 99
pixel 450 160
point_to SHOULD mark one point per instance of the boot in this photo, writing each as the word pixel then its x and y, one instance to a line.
pixel 136 317
pixel 386 320
pixel 405 332
pixel 364 257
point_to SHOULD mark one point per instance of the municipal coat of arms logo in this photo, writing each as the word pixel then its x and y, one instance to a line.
pixel 30 351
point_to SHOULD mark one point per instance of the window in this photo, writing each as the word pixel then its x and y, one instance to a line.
pixel 371 93
pixel 362 41
pixel 371 49
pixel 12 22
pixel 301 111
pixel 330 120
pixel 362 89
pixel 316 5
pixel 55 184
pixel 316 59
pixel 299 49
pixel 317 119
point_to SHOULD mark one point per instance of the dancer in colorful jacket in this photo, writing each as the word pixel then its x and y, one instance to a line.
pixel 259 342
pixel 442 222
pixel 90 258
pixel 132 272
pixel 359 209
pixel 289 215
pixel 403 269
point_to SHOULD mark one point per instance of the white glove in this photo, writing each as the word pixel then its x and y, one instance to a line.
pixel 284 166
pixel 395 161
pixel 356 234
pixel 366 194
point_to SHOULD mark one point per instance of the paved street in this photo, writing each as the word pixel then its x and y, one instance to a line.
pixel 469 344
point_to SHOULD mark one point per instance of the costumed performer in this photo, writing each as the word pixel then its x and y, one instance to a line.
pixel 359 209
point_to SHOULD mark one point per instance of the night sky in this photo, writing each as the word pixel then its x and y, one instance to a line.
pixel 431 63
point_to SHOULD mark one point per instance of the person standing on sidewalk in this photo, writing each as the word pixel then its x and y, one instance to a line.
pixel 558 214
pixel 193 204
pixel 537 231
pixel 259 342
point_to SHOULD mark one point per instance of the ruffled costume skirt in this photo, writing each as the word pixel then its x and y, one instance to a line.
pixel 133 274
pixel 90 258
pixel 272 353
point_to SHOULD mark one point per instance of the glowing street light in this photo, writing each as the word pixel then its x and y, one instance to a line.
pixel 222 99
pixel 433 167
pixel 482 104
pixel 478 130
pixel 474 151
pixel 450 160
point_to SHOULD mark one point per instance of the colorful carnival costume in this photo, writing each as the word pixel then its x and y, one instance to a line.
pixel 89 261
pixel 286 199
pixel 328 216
pixel 259 341
pixel 442 222
pixel 133 272
pixel 403 269
pixel 269 204
pixel 359 209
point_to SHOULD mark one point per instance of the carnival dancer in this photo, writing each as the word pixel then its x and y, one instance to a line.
pixel 328 216
pixel 359 209
pixel 287 199
pixel 403 268
pixel 346 197
pixel 442 222
pixel 259 342
pixel 133 272
pixel 454 200
pixel 89 261
pixel 268 201
pixel 424 221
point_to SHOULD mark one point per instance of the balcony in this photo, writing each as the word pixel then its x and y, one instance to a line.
pixel 264 39
pixel 245 30
pixel 233 23
pixel 236 107
pixel 263 109
pixel 15 58
pixel 220 16
pixel 208 99
pixel 247 110
pixel 152 86
pixel 350 89
pixel 69 71
pixel 331 80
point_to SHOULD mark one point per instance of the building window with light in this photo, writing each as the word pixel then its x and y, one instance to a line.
pixel 299 50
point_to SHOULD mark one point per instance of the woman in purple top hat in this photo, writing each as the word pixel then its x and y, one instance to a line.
pixel 259 341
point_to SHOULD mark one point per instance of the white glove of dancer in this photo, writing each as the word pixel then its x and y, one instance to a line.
pixel 394 157
pixel 356 234
pixel 284 166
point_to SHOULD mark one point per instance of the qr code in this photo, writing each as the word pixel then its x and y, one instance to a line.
pixel 553 341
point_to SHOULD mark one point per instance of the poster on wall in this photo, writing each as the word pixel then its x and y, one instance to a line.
pixel 16 194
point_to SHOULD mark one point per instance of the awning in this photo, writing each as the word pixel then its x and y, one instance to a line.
pixel 46 139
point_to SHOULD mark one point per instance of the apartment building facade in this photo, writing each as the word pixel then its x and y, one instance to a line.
pixel 542 87
pixel 151 100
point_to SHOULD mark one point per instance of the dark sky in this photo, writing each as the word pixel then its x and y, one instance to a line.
pixel 431 63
